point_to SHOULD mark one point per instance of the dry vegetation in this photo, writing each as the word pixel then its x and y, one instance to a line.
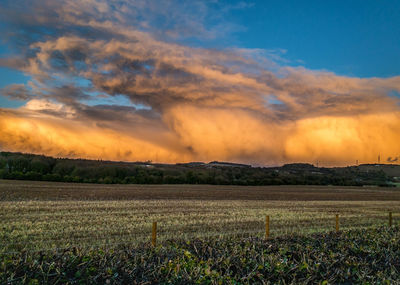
pixel 43 215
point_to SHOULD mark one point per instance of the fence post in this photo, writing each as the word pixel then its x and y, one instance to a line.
pixel 154 234
pixel 337 223
pixel 266 227
pixel 390 219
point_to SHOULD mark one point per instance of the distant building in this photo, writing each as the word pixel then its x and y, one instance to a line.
pixel 227 164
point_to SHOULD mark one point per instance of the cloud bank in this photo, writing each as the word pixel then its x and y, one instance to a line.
pixel 122 80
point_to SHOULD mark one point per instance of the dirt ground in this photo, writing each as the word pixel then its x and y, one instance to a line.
pixel 13 190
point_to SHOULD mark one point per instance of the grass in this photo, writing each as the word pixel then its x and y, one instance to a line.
pixel 367 256
pixel 76 220
pixel 34 225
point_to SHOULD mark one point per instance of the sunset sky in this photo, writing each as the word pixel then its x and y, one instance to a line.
pixel 260 82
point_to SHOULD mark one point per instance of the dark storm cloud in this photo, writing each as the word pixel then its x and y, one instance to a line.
pixel 17 92
pixel 201 104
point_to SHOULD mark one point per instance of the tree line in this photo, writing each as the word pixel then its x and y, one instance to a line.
pixel 42 168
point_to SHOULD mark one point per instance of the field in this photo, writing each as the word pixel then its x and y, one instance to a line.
pixel 44 215
pixel 368 256
pixel 85 233
pixel 14 190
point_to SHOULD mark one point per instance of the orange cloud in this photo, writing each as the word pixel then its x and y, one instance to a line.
pixel 207 134
pixel 60 138
pixel 201 104
pixel 343 140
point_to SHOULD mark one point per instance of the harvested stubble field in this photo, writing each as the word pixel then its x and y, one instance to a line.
pixel 44 215
pixel 14 190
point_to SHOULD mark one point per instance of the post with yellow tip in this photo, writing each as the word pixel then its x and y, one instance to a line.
pixel 154 234
pixel 390 219
pixel 266 227
pixel 337 223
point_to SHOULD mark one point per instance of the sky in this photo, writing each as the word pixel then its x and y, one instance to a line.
pixel 258 82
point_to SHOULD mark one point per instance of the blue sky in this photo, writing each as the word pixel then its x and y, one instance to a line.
pixel 262 82
pixel 354 38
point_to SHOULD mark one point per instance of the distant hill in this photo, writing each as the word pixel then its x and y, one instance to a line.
pixel 392 170
pixel 39 167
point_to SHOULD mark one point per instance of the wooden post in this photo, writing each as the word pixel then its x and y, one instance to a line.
pixel 154 234
pixel 390 219
pixel 266 227
pixel 337 223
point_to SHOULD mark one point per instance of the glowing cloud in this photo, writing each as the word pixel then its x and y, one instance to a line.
pixel 185 103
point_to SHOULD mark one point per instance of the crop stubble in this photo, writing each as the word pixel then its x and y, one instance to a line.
pixel 43 215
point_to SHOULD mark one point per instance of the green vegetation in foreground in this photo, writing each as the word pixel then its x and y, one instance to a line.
pixel 369 256
pixel 20 166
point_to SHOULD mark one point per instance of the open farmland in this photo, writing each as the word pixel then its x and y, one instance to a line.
pixel 42 215
pixel 363 256
pixel 17 190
